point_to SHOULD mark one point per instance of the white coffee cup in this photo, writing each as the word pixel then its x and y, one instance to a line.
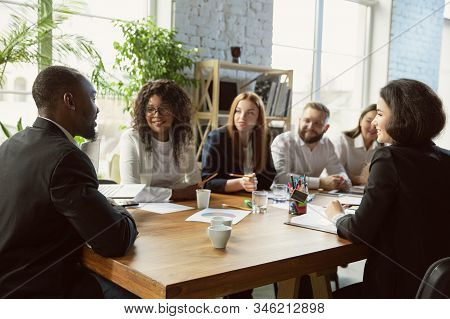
pixel 219 220
pixel 219 235
pixel 203 198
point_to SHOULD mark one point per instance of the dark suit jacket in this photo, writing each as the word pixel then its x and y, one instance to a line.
pixel 49 207
pixel 218 156
pixel 404 218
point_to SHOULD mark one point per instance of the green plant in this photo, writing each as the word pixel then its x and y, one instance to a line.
pixel 5 130
pixel 19 42
pixel 79 139
pixel 147 53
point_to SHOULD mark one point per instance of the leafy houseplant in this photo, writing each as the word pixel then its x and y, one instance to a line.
pixel 20 41
pixel 147 53
pixel 5 130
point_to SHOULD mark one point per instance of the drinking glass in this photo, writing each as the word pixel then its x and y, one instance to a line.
pixel 260 200
pixel 280 192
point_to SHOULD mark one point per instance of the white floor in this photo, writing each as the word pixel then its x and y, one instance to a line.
pixel 351 274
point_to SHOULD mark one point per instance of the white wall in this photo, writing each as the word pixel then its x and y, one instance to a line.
pixel 444 83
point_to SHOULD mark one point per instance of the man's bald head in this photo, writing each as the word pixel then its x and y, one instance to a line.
pixel 51 84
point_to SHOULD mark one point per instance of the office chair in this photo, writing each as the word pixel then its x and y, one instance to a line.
pixel 436 282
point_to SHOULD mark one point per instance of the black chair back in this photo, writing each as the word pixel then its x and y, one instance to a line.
pixel 436 282
pixel 106 181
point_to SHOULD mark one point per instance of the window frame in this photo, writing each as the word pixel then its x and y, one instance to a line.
pixel 317 50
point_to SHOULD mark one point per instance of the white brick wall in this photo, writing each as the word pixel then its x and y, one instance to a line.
pixel 416 53
pixel 215 25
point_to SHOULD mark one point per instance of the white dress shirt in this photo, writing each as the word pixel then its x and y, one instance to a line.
pixel 156 169
pixel 66 133
pixel 352 153
pixel 291 155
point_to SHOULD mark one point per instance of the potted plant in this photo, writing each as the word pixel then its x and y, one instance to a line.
pixel 19 42
pixel 147 53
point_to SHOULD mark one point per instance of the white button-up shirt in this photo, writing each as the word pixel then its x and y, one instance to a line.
pixel 66 133
pixel 291 155
pixel 353 154
pixel 156 169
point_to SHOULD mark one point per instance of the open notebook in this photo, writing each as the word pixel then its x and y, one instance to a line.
pixel 316 219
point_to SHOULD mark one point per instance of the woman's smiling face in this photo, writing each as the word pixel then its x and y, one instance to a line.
pixel 381 121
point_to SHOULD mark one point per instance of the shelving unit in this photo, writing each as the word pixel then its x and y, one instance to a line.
pixel 206 106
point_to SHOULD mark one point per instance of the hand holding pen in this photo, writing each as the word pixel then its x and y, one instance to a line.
pixel 248 182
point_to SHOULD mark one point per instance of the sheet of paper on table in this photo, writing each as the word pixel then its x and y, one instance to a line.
pixel 205 215
pixel 350 200
pixel 163 208
pixel 283 205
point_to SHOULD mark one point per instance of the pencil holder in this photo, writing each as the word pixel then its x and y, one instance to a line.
pixel 297 208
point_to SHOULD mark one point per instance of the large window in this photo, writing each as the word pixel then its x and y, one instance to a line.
pixel 94 22
pixel 99 15
pixel 324 42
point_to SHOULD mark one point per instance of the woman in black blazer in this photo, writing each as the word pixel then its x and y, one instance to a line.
pixel 404 217
pixel 241 147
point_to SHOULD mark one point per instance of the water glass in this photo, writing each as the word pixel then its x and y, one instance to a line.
pixel 280 192
pixel 260 200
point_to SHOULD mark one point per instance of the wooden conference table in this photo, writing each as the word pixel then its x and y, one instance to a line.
pixel 173 258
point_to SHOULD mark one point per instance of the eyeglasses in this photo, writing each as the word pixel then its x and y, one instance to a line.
pixel 162 110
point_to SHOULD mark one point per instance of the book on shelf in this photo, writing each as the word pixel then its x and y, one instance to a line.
pixel 280 104
pixel 288 102
pixel 265 86
pixel 272 91
pixel 274 101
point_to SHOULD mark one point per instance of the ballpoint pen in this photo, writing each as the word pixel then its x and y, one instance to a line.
pixel 209 178
pixel 237 207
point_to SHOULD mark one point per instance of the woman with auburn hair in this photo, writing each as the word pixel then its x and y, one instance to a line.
pixel 356 147
pixel 240 147
pixel 157 150
pixel 403 217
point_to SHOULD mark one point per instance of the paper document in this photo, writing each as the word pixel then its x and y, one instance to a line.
pixel 163 208
pixel 205 215
pixel 350 200
pixel 325 199
pixel 315 218
pixel 282 205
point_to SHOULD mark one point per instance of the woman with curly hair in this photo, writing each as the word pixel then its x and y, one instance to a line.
pixel 157 150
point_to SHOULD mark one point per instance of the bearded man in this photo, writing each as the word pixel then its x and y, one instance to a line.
pixel 308 152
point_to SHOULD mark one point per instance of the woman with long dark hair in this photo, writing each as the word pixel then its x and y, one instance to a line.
pixel 158 150
pixel 403 217
pixel 240 148
pixel 356 147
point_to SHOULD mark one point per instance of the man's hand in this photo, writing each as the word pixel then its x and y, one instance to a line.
pixel 332 182
pixel 249 183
